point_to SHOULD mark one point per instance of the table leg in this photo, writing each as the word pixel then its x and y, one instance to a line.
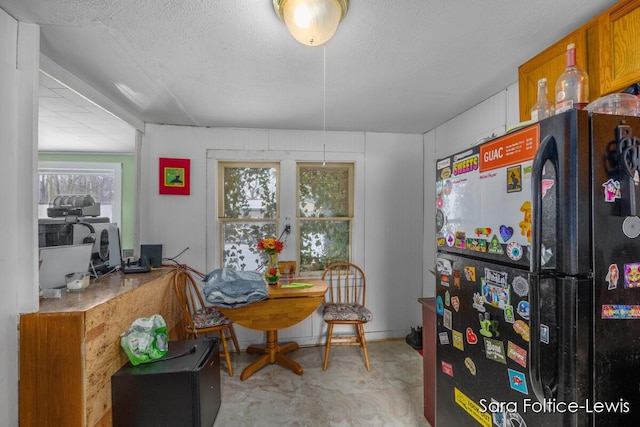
pixel 272 353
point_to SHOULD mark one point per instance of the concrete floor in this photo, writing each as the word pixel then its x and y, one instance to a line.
pixel 346 395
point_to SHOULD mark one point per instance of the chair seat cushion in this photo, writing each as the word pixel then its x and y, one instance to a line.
pixel 209 316
pixel 348 312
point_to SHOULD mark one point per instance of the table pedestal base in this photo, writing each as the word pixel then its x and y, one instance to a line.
pixel 271 353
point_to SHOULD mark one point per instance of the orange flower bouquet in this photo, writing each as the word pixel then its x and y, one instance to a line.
pixel 272 247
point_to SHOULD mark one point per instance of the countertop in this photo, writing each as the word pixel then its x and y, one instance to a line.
pixel 100 290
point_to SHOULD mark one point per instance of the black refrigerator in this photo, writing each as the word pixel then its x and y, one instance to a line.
pixel 538 276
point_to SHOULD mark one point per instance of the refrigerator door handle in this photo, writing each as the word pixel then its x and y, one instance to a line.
pixel 540 390
pixel 548 151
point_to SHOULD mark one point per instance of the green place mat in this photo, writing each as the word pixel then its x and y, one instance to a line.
pixel 297 285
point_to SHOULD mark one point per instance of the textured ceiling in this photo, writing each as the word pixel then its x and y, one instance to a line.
pixel 403 66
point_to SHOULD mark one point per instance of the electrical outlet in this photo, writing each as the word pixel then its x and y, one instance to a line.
pixel 287 228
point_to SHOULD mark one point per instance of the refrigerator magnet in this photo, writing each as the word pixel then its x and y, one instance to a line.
pixel 455 302
pixel 520 286
pixel 544 334
pixel 472 338
pixel 488 327
pixel 509 317
pixel 514 179
pixel 458 342
pixel 494 350
pixel 471 366
pixel 439 305
pixel 517 354
pixel 632 275
pixel 612 277
pixel 506 233
pixel 514 251
pixel 494 246
pixel 518 381
pixel 447 368
pixel 620 311
pixel 470 274
pixel 525 224
pixel 444 338
pixel 611 190
pixel 482 231
pixel 522 329
pixel 450 240
pixel 443 266
pixel 446 318
pixel 523 309
pixel 546 186
pixel 478 302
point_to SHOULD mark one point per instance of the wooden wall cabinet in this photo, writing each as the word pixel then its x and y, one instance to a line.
pixel 549 63
pixel 607 48
pixel 617 47
pixel 70 348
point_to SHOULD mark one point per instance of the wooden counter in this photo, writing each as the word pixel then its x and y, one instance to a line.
pixel 70 348
pixel 429 357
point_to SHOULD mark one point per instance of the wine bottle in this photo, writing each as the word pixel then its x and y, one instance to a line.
pixel 543 108
pixel 572 87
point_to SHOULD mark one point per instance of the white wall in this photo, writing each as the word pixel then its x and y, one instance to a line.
pixel 393 215
pixel 429 241
pixel 19 49
pixel 388 202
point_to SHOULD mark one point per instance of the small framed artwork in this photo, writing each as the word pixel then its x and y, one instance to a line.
pixel 287 269
pixel 175 176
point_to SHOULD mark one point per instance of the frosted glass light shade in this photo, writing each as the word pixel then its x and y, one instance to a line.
pixel 311 22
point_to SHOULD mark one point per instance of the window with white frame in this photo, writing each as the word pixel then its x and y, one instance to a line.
pixel 249 202
pixel 103 181
pixel 325 214
pixel 248 211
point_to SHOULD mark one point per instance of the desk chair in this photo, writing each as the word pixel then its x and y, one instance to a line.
pixel 201 319
pixel 344 305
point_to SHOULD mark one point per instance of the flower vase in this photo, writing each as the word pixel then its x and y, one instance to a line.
pixel 272 275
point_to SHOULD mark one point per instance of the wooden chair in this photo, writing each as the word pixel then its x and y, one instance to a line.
pixel 199 318
pixel 345 305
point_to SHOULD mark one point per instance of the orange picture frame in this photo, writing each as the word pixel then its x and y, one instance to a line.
pixel 174 176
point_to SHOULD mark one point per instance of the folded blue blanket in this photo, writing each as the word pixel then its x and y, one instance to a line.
pixel 226 287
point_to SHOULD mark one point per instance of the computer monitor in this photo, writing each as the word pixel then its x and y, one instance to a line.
pixel 58 261
pixel 106 247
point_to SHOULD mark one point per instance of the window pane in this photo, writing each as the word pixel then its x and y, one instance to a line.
pixel 241 243
pixel 249 192
pixel 323 243
pixel 324 191
pixel 100 184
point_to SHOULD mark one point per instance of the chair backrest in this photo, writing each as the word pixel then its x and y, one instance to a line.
pixel 188 296
pixel 346 283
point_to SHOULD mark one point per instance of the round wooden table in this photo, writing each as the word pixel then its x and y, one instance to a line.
pixel 285 307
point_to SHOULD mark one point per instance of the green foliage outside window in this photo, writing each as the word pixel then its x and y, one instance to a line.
pixel 325 215
pixel 249 195
pixel 249 211
pixel 250 192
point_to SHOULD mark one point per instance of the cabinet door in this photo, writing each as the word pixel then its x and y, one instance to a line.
pixel 549 63
pixel 619 46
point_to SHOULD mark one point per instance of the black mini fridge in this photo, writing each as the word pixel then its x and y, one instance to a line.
pixel 181 389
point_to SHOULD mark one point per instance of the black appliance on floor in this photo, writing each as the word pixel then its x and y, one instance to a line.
pixel 538 284
pixel 181 389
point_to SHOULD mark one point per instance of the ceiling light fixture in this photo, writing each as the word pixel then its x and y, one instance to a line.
pixel 311 22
